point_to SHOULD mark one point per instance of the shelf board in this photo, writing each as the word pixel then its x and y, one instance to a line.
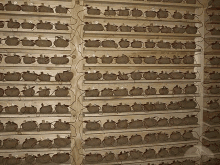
pixel 212 110
pixel 207 81
pixel 37 115
pixel 109 34
pixel 140 49
pixel 36 66
pixel 212 52
pixel 34 150
pixel 141 81
pixel 86 132
pixel 30 14
pixel 145 65
pixel 144 3
pixel 34 48
pixel 68 132
pixel 33 83
pixel 211 125
pixel 213 139
pixel 213 37
pixel 211 95
pixel 139 19
pixel 159 144
pixel 32 98
pixel 212 66
pixel 141 97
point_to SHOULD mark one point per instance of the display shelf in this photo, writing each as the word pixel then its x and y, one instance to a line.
pixel 140 49
pixel 211 125
pixel 141 97
pixel 33 83
pixel 86 132
pixel 40 150
pixel 144 65
pixel 115 148
pixel 140 81
pixel 33 98
pixel 36 66
pixel 211 139
pixel 30 14
pixel 109 34
pixel 35 133
pixel 100 114
pixel 144 3
pixel 37 115
pixel 147 161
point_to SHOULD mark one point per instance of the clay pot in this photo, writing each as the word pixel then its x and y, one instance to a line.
pixel 66 76
pixel 45 127
pixel 174 151
pixel 93 11
pixel 121 92
pixel 149 153
pixel 122 124
pixel 163 76
pixel 179 30
pixel 61 108
pixel 60 157
pixel 163 122
pixel 47 143
pixel 135 154
pixel 12 41
pixel 136 44
pixel 150 122
pixel 122 140
pixel 177 15
pixel 123 12
pixel 12 76
pixel 122 59
pixel 163 153
pixel 107 59
pixel 123 156
pixel 213 104
pixel 59 26
pixel 177 45
pixel 149 44
pixel 29 126
pixel 151 14
pixel 13 24
pixel 190 45
pixel 109 12
pixel 124 43
pixel 189 16
pixel 12 7
pixel 174 106
pixel 188 104
pixel 109 44
pixel 124 28
pixel 61 9
pixel 137 60
pixel 137 107
pixel 11 126
pixel 28 60
pixel 153 29
pixel 109 141
pixel 62 142
pixel 12 92
pixel 109 125
pixel 215 31
pixel 190 89
pixel 136 91
pixel 123 108
pixel 93 108
pixel 176 60
pixel 163 45
pixel 110 27
pixel 30 158
pixel 28 110
pixel 109 76
pixel 61 126
pixel 28 92
pixel 44 25
pixel 29 143
pixel 92 125
pixel 164 91
pixel 160 106
pixel 191 29
pixel 136 124
pixel 61 43
pixel 136 75
pixel 175 136
pixel 162 13
pixel 27 25
pixel 43 159
pixel 175 121
pixel 91 60
pixel 122 76
pixel 191 75
pixel 109 156
pixel 93 158
pixel 139 29
pixel 61 92
pixel 43 43
pixel 149 107
pixel 150 91
pixel 176 75
pixel 214 61
pixel 136 12
pixel 107 92
pixel 44 92
pixel 187 135
pixel 46 9
pixel 2 92
pixel 108 108
pixel 150 138
pixel 150 60
pixel 28 8
pixel 92 43
pixel 10 143
pixel 165 29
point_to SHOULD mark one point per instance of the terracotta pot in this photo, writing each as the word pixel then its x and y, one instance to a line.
pixel 110 27
pixel 108 108
pixel 136 12
pixel 93 11
pixel 28 8
pixel 62 126
pixel 91 60
pixel 29 126
pixel 59 26
pixel 46 9
pixel 29 143
pixel 109 12
pixel 43 159
pixel 123 12
pixel 60 157
pixel 92 125
pixel 12 7
pixel 13 24
pixel 44 25
pixel 92 43
pixel 177 15
pixel 47 143
pixel 107 59
pixel 62 142
pixel 61 9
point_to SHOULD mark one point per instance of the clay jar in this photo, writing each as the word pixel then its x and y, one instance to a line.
pixel 12 76
pixel 121 92
pixel 109 12
pixel 12 7
pixel 92 43
pixel 137 60
pixel 60 26
pixel 93 158
pixel 149 44
pixel 12 92
pixel 107 92
pixel 12 41
pixel 109 141
pixel 93 11
pixel 43 42
pixel 124 43
pixel 122 140
pixel 108 108
pixel 15 59
pixel 122 76
pixel 122 59
pixel 29 143
pixel 26 42
pixel 65 76
pixel 44 25
pixel 61 9
pixel 92 125
pixel 28 60
pixel 27 25
pixel 162 13
pixel 135 154
pixel 177 15
pixel 46 9
pixel 60 157
pixel 137 107
pixel 109 44
pixel 61 43
pixel 44 92
pixel 13 24
pixel 149 153
pixel 151 14
pixel 136 91
pixel 122 124
pixel 93 142
pixel 123 108
pixel 125 28
pixel 136 12
pixel 136 123
pixel 92 108
pixel 109 125
pixel 109 76
pixel 10 143
pixel 178 29
pixel 61 92
pixel 61 108
pixel 150 138
pixel 28 92
pixel 123 12
pixel 110 27
pixel 153 29
pixel 150 91
pixel 163 45
pixel 13 109
pixel 150 122
pixel 28 8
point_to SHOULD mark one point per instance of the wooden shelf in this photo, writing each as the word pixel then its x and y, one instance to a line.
pixel 212 110
pixel 37 115
pixel 213 37
pixel 87 18
pixel 34 48
pixel 141 81
pixel 133 113
pixel 145 65
pixel 212 66
pixel 35 150
pixel 30 14
pixel 141 97
pixel 86 132
pixel 144 3
pixel 211 81
pixel 212 140
pixel 68 132
pixel 109 34
pixel 33 83
pixel 140 49
pixel 211 95
pixel 36 66
pixel 159 144
pixel 33 98
pixel 213 52
pixel 211 125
